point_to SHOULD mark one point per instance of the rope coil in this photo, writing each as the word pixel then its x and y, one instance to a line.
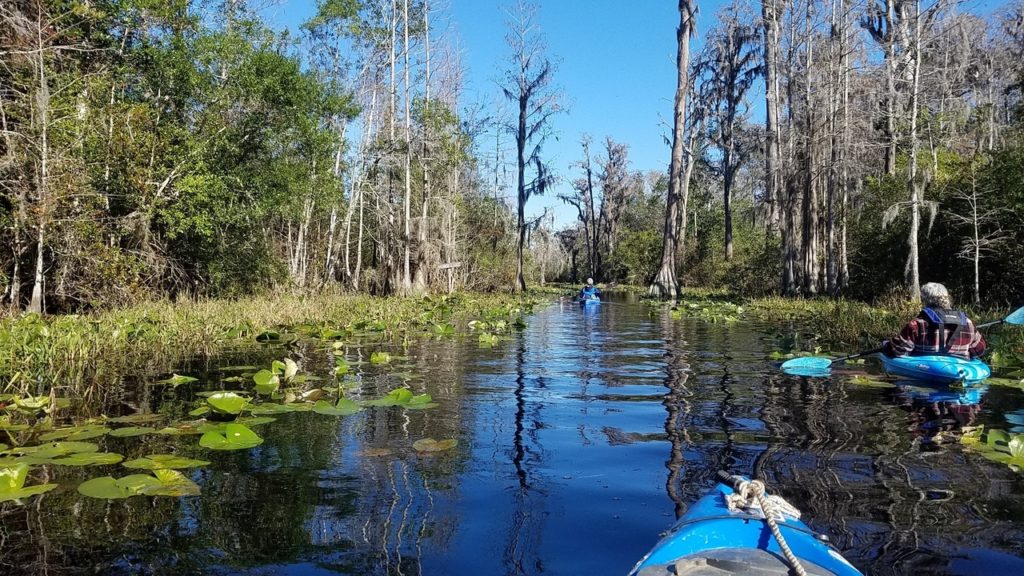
pixel 750 496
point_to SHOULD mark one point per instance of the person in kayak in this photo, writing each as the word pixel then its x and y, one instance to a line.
pixel 590 292
pixel 938 330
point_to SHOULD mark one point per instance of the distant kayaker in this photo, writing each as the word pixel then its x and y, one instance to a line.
pixel 937 330
pixel 590 292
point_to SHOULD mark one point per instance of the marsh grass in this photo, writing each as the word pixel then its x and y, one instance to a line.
pixel 75 355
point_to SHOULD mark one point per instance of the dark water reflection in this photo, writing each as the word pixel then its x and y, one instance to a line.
pixel 581 438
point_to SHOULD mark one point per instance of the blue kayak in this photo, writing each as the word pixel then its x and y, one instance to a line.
pixel 711 539
pixel 589 301
pixel 937 369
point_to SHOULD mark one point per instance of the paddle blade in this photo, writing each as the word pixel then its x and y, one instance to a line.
pixel 1016 317
pixel 807 366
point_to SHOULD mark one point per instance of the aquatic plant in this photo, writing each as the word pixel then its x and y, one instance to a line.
pixel 343 407
pixel 162 482
pixel 234 437
pixel 164 462
pixel 12 484
pixel 430 445
pixel 996 445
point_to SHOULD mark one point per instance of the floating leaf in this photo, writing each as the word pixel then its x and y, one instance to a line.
pixel 1016 446
pixel 181 429
pixel 340 367
pixel 178 380
pixel 12 484
pixel 431 445
pixel 269 409
pixel 380 358
pixel 164 462
pixel 487 340
pixel 420 402
pixel 344 407
pixel 129 431
pixel 290 369
pixel 53 449
pixel 227 403
pixel 997 437
pixel 266 382
pixel 76 433
pixel 396 397
pixel 88 459
pixel 161 483
pixel 201 411
pixel 31 403
pixel 234 437
pixel 237 368
pixel 136 418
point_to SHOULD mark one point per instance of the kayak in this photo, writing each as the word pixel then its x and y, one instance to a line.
pixel 712 539
pixel 589 301
pixel 937 369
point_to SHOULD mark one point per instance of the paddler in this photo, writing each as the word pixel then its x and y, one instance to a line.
pixel 590 292
pixel 937 330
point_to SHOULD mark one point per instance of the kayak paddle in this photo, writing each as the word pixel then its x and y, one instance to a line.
pixel 1015 317
pixel 818 365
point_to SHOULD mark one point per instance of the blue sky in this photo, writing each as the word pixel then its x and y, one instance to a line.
pixel 616 67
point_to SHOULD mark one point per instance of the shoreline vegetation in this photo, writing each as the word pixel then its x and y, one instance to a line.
pixel 78 355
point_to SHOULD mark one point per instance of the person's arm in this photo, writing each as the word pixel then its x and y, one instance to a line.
pixel 978 345
pixel 902 343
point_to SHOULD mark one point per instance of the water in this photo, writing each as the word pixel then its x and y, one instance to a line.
pixel 580 440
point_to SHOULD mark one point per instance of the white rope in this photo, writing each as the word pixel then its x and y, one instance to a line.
pixel 749 495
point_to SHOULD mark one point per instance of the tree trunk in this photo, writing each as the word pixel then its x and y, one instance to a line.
pixel 770 28
pixel 665 283
pixel 407 204
pixel 916 189
pixel 809 244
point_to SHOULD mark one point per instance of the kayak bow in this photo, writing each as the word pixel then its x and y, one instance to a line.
pixel 714 538
pixel 937 369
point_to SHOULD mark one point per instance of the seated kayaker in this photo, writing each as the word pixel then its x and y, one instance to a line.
pixel 938 330
pixel 590 292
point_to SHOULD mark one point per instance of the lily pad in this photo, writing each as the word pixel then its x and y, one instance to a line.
pixel 380 358
pixel 178 380
pixel 270 409
pixel 431 445
pixel 12 484
pixel 76 433
pixel 266 382
pixel 88 459
pixel 164 462
pixel 396 397
pixel 160 483
pixel 234 437
pixel 420 402
pixel 227 403
pixel 340 367
pixel 136 418
pixel 130 431
pixel 487 340
pixel 343 407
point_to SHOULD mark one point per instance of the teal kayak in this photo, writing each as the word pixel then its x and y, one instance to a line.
pixel 712 539
pixel 937 369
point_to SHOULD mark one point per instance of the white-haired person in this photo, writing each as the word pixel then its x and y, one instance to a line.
pixel 937 330
pixel 590 292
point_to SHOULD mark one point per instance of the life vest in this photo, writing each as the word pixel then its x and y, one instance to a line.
pixel 953 321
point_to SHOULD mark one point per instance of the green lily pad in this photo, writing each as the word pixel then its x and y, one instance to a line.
pixel 420 402
pixel 136 418
pixel 88 459
pixel 160 483
pixel 397 397
pixel 487 340
pixel 130 431
pixel 31 403
pixel 76 433
pixel 234 437
pixel 227 403
pixel 178 380
pixel 201 411
pixel 164 462
pixel 270 409
pixel 53 449
pixel 380 358
pixel 343 407
pixel 870 382
pixel 12 484
pixel 266 382
pixel 180 429
pixel 431 445
pixel 340 367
